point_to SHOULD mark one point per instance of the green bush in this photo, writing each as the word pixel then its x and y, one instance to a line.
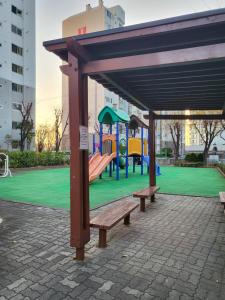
pixel 188 164
pixel 28 159
pixel 194 157
pixel 166 152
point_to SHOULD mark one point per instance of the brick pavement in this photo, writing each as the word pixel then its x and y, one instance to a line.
pixel 176 250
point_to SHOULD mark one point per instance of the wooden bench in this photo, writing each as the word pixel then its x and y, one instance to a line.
pixel 144 194
pixel 110 217
pixel 222 199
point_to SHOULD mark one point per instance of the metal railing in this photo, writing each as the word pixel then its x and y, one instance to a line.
pixel 5 160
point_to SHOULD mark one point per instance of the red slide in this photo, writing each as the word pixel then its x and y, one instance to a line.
pixel 98 163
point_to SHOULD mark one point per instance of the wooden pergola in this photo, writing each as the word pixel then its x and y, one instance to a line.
pixel 166 65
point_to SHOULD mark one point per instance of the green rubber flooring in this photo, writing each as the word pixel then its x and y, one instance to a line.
pixel 51 187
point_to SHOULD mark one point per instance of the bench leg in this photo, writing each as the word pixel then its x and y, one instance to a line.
pixel 102 238
pixel 142 204
pixel 127 220
pixel 153 198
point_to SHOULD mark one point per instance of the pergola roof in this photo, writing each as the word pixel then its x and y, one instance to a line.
pixel 136 123
pixel 109 115
pixel 172 64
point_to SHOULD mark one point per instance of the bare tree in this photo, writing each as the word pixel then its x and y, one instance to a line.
pixel 59 131
pixel 175 128
pixel 41 136
pixel 26 126
pixel 50 139
pixel 221 133
pixel 208 130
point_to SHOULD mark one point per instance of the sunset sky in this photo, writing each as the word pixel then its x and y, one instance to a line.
pixel 51 13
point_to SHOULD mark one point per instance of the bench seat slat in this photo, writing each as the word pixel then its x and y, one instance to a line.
pixel 146 192
pixel 110 217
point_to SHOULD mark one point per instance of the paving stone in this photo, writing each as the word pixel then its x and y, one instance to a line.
pixel 175 250
pixel 106 286
pixel 70 283
pixel 16 283
pixel 132 292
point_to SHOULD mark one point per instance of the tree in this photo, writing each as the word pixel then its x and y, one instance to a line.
pixel 208 130
pixel 175 128
pixel 41 137
pixel 50 139
pixel 8 140
pixel 58 115
pixel 26 126
pixel 221 133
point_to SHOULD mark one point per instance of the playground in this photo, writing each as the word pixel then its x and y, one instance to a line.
pixel 50 187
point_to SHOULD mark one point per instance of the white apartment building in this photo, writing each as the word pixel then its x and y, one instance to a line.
pixel 17 66
pixel 91 20
pixel 193 140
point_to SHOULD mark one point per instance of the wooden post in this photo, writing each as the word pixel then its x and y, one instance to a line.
pixel 152 174
pixel 79 177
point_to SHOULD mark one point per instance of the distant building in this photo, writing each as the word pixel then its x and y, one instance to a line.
pixel 193 140
pixel 17 65
pixel 94 19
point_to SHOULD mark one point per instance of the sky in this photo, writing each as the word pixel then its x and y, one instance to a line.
pixel 49 17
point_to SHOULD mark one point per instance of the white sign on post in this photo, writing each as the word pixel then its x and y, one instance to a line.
pixel 83 138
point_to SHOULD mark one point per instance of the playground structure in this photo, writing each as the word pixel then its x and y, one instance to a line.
pixel 115 152
pixel 130 61
pixel 5 160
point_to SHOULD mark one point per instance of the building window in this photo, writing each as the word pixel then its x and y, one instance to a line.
pixel 108 14
pixel 17 87
pixel 16 30
pixel 16 49
pixel 16 10
pixel 15 125
pixel 17 106
pixel 17 69
pixel 107 99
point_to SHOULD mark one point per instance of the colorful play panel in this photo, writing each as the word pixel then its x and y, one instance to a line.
pixel 51 187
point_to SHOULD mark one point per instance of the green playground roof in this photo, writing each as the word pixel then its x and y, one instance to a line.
pixel 110 115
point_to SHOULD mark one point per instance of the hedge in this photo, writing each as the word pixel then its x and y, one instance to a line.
pixel 194 157
pixel 28 159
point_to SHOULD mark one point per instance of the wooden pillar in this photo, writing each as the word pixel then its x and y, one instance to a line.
pixel 151 142
pixel 79 166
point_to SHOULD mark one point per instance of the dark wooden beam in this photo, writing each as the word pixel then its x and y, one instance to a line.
pixel 125 91
pixel 187 117
pixel 77 50
pixel 175 72
pixel 179 84
pixel 152 30
pixel 224 108
pixel 160 79
pixel 160 59
pixel 79 178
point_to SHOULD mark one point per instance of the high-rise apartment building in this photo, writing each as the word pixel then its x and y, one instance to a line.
pixel 193 140
pixel 17 66
pixel 94 19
